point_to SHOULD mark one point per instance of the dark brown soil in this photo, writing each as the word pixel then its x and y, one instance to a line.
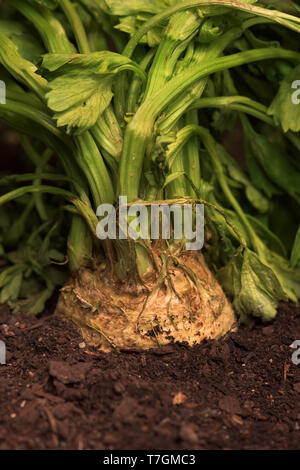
pixel 240 393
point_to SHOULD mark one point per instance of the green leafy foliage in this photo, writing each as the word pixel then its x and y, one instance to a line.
pixel 261 290
pixel 129 7
pixel 151 137
pixel 295 255
pixel 29 46
pixel 255 197
pixel 286 105
pixel 21 69
pixel 83 90
pixel 33 253
pixel 132 15
pixel 273 161
pixel 52 4
pixel 253 286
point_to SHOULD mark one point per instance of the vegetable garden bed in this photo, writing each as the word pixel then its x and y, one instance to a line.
pixel 239 393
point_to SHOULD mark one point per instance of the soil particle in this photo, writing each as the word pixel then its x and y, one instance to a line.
pixel 179 398
pixel 297 387
pixel 188 432
pixel 230 404
pixel 239 393
pixel 69 374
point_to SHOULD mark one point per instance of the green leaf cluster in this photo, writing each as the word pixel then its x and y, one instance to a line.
pixel 140 98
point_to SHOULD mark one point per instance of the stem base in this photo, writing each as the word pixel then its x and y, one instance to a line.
pixel 183 303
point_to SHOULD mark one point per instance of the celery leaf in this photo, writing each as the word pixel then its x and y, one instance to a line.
pixel 82 87
pixel 286 106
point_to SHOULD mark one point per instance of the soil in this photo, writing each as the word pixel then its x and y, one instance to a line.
pixel 239 393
